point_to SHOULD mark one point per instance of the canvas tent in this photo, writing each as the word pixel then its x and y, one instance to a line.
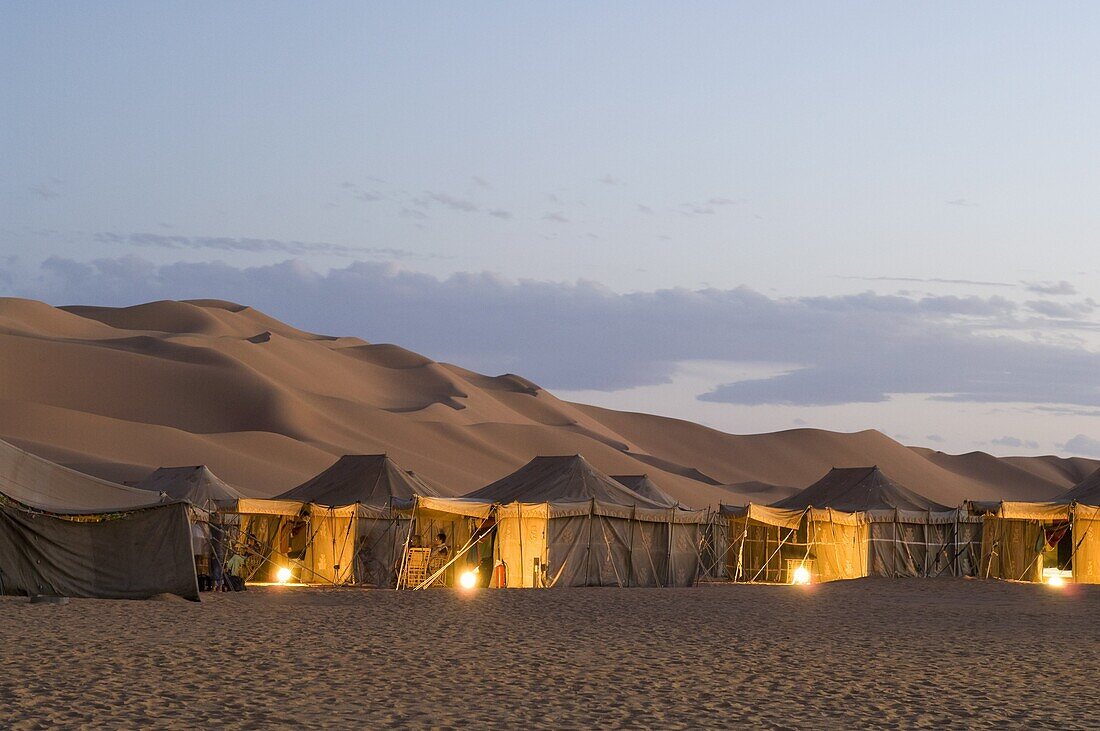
pixel 1036 541
pixel 195 484
pixel 205 491
pixel 65 533
pixel 346 525
pixel 648 489
pixel 561 522
pixel 852 522
pixel 367 479
pixel 715 533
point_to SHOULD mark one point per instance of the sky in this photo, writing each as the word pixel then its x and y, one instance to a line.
pixel 758 216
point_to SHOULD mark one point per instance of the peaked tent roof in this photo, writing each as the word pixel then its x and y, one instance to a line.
pixel 560 479
pixel 370 479
pixel 45 485
pixel 647 488
pixel 1087 491
pixel 854 489
pixel 196 484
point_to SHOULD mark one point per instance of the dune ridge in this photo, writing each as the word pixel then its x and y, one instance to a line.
pixel 118 392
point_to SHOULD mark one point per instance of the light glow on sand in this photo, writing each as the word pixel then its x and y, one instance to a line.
pixel 468 579
pixel 1056 581
pixel 801 576
pixel 283 575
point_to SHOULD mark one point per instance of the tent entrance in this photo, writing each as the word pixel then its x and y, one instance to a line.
pixel 1057 550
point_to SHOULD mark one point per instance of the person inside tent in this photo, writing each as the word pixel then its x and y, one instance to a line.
pixel 440 549
pixel 441 553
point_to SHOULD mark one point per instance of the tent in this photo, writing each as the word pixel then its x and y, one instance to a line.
pixel 205 491
pixel 346 525
pixel 196 484
pixel 561 522
pixel 648 489
pixel 853 522
pixel 1038 541
pixel 368 479
pixel 713 544
pixel 64 533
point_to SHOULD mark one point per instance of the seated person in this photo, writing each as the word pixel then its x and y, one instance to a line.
pixel 440 549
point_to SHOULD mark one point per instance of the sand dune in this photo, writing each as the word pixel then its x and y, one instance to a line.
pixel 120 391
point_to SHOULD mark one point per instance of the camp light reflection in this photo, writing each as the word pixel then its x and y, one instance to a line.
pixel 801 575
pixel 282 575
pixel 468 579
pixel 1056 581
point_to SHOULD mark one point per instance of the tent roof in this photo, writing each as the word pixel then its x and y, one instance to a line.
pixel 370 479
pixel 196 484
pixel 1086 491
pixel 45 485
pixel 858 488
pixel 647 488
pixel 560 479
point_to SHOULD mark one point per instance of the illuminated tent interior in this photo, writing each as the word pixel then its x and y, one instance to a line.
pixel 1050 541
pixel 561 522
pixel 346 525
pixel 851 523
pixel 64 533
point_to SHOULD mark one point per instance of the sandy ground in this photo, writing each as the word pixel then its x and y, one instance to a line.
pixel 921 654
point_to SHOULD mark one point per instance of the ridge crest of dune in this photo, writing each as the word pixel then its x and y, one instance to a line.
pixel 127 389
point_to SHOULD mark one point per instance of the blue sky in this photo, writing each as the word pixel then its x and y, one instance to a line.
pixel 847 215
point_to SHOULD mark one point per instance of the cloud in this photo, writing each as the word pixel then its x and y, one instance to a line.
pixel 480 182
pixel 555 217
pixel 581 335
pixel 368 196
pixel 934 438
pixel 1015 443
pixel 691 209
pixel 1082 445
pixel 1072 311
pixel 928 280
pixel 610 179
pixel 457 204
pixel 249 245
pixel 1051 288
pixel 723 201
pixel 47 190
pixel 959 202
pixel 642 208
pixel 497 213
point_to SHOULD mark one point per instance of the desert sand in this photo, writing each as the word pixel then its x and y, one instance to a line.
pixel 118 392
pixel 917 654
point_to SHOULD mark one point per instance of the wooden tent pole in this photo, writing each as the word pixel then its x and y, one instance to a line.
pixel 588 550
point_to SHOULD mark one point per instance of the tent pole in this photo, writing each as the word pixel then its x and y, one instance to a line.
pixel 408 539
pixel 668 557
pixel 588 550
pixel 522 565
pixel 630 549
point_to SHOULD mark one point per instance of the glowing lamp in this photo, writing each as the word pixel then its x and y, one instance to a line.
pixel 282 575
pixel 1056 581
pixel 468 579
pixel 801 576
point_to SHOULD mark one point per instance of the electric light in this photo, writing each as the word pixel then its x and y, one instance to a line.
pixel 1056 581
pixel 468 580
pixel 801 576
pixel 282 575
